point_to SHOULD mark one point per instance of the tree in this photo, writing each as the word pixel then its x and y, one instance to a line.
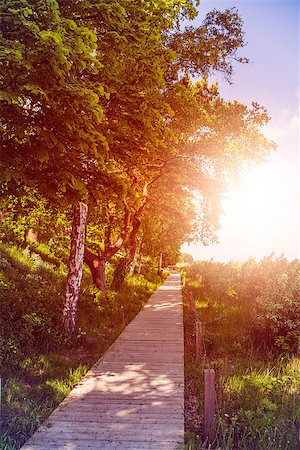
pixel 186 258
pixel 168 123
pixel 50 108
pixel 98 97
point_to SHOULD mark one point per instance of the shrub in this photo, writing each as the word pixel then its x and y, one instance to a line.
pixel 250 314
pixel 256 300
pixel 277 312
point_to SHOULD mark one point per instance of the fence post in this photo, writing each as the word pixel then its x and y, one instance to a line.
pixel 199 340
pixel 209 403
pixel 0 404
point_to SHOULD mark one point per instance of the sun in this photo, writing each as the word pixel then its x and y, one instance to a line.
pixel 257 206
pixel 260 216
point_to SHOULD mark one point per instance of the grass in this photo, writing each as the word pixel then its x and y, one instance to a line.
pixel 258 385
pixel 38 366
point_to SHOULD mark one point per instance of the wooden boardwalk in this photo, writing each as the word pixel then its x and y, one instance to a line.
pixel 133 397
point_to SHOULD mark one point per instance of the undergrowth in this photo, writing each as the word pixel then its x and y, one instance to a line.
pixel 250 340
pixel 38 366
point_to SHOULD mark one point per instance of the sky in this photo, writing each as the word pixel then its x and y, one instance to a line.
pixel 262 214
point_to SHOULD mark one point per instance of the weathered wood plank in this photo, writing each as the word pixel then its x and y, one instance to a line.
pixel 133 397
pixel 119 431
pixel 102 445
pixel 139 416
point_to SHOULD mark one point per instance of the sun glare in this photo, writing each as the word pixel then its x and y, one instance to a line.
pixel 260 208
pixel 256 200
pixel 260 217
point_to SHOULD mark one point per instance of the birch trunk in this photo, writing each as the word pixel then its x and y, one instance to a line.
pixel 75 268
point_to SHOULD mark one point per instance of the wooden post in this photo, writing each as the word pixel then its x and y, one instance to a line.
pixel 199 340
pixel 209 403
pixel 0 404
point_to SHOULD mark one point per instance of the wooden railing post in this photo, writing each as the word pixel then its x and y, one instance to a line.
pixel 209 403
pixel 199 340
pixel 0 404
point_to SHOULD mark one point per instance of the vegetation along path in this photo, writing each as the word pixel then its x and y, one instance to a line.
pixel 132 398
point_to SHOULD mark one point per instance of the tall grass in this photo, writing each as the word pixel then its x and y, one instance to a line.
pixel 258 378
pixel 38 366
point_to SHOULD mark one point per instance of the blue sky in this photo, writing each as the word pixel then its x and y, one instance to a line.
pixel 261 216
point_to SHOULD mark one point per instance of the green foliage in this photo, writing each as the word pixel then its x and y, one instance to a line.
pixel 259 407
pixel 250 315
pixel 32 302
pixel 81 135
pixel 277 312
pixel 255 302
pixel 186 258
pixel 19 213
pixel 48 63
pixel 38 366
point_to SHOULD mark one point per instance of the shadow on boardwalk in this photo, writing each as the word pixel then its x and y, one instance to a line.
pixel 132 398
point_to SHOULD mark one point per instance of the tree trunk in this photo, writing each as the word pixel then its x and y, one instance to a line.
pixel 135 265
pixel 98 273
pixel 124 263
pixel 75 269
pixel 97 267
pixel 32 235
pixel 119 274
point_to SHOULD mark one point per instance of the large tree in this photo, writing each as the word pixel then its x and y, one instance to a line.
pixel 97 105
pixel 50 107
pixel 56 81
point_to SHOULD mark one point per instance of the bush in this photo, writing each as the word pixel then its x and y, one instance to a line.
pixel 256 300
pixel 277 312
pixel 250 314
pixel 30 308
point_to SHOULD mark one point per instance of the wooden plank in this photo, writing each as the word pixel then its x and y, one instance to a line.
pixel 102 445
pixel 93 438
pixel 149 394
pixel 138 417
pixel 133 397
pixel 119 429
